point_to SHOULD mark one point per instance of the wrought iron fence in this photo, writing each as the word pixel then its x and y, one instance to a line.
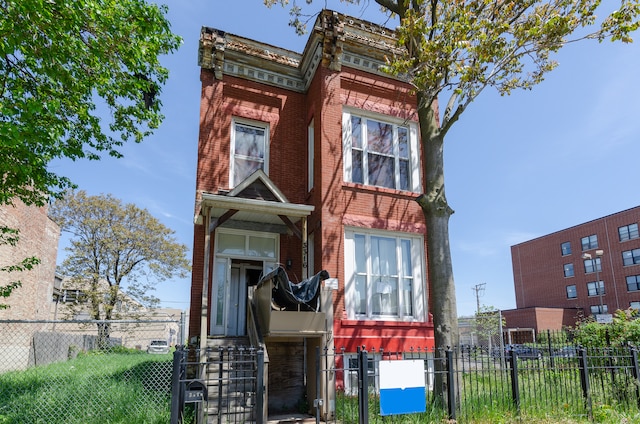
pixel 64 372
pixel 524 381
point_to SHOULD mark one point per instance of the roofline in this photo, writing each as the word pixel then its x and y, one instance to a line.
pixel 334 40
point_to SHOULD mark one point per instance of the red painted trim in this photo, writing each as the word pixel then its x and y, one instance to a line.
pixel 391 336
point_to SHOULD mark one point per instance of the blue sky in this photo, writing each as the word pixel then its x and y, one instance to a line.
pixel 516 167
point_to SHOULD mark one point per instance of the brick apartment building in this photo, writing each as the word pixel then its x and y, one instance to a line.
pixel 311 161
pixel 589 269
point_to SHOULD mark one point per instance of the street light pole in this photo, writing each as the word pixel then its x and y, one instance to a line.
pixel 599 289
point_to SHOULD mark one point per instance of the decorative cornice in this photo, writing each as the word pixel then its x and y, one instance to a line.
pixel 211 50
pixel 335 40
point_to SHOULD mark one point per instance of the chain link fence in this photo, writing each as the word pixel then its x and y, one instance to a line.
pixel 86 371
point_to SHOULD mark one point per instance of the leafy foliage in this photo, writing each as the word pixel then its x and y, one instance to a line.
pixel 624 329
pixel 118 253
pixel 61 63
pixel 457 49
pixel 488 322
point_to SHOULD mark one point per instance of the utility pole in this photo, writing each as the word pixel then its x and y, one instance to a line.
pixel 479 289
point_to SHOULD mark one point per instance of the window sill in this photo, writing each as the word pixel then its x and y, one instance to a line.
pixel 379 190
pixel 376 323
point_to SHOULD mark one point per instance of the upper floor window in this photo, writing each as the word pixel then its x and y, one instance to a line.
pixel 568 270
pixel 380 152
pixel 631 257
pixel 633 282
pixel 628 232
pixel 384 272
pixel 571 292
pixel 594 289
pixel 597 309
pixel 566 248
pixel 590 242
pixel 249 149
pixel 592 265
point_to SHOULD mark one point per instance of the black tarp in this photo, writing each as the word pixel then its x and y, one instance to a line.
pixel 290 296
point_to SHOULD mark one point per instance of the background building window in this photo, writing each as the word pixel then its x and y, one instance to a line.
pixel 568 270
pixel 631 257
pixel 571 292
pixel 592 288
pixel 380 153
pixel 633 282
pixel 628 232
pixel 591 265
pixel 566 248
pixel 249 149
pixel 590 242
pixel 595 309
pixel 634 305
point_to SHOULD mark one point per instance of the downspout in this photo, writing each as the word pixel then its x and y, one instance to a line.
pixel 204 312
pixel 305 250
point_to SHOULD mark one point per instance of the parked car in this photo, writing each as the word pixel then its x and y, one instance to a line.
pixel 525 352
pixel 566 352
pixel 158 346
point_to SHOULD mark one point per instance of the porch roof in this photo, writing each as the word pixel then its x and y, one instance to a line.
pixel 255 200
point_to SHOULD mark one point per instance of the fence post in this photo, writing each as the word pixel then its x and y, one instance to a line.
pixel 551 356
pixel 515 387
pixel 363 387
pixel 584 381
pixel 176 402
pixel 635 371
pixel 260 411
pixel 451 393
pixel 318 400
pixel 220 382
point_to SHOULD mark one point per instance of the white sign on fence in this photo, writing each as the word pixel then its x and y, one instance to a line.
pixel 402 387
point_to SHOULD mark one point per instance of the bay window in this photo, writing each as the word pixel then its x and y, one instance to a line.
pixel 384 273
pixel 380 151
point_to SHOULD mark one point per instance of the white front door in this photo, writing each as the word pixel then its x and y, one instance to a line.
pixel 237 302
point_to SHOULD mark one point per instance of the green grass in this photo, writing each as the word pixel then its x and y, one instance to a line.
pixel 485 398
pixel 126 387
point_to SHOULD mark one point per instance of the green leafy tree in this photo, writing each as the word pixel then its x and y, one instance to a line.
pixel 117 254
pixel 625 328
pixel 488 324
pixel 453 51
pixel 62 63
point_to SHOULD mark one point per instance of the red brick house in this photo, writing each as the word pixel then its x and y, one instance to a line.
pixel 310 161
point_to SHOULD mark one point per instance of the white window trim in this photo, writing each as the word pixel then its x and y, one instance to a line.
pixel 414 149
pixel 419 292
pixel 232 147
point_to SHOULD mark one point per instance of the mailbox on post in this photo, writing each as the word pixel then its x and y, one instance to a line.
pixel 195 391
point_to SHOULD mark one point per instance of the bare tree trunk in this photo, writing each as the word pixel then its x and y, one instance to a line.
pixel 104 334
pixel 442 299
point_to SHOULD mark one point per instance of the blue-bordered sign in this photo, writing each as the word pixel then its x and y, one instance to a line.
pixel 402 387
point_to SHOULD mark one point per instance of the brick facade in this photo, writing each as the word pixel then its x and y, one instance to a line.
pixel 38 237
pixel 539 267
pixel 338 204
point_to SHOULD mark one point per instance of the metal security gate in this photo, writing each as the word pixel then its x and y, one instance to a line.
pixel 224 385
